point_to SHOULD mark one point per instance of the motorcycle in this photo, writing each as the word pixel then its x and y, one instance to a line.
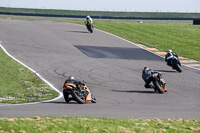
pixel 89 27
pixel 79 92
pixel 176 64
pixel 158 82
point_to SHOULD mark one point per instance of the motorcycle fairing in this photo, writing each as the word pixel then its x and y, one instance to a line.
pixel 88 98
pixel 74 86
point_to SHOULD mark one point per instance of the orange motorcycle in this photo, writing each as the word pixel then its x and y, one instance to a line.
pixel 79 92
pixel 158 82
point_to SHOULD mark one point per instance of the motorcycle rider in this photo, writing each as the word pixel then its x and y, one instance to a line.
pixel 169 56
pixel 72 80
pixel 87 20
pixel 147 77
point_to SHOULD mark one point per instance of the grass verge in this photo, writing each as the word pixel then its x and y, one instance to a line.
pixel 20 85
pixel 96 125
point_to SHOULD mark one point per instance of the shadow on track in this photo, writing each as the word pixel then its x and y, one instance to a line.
pixel 167 71
pixel 135 91
pixel 128 53
pixel 78 31
pixel 62 102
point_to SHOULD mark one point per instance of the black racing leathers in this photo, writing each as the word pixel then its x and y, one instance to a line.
pixel 77 83
pixel 169 58
pixel 147 77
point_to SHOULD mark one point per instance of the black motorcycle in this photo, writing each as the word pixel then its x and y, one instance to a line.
pixel 176 64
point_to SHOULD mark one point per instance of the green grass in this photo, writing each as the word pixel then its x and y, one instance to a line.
pixel 20 85
pixel 97 125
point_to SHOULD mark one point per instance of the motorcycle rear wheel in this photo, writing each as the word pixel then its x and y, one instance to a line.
pixel 158 87
pixel 77 96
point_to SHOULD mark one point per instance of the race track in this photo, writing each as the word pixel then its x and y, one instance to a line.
pixel 111 67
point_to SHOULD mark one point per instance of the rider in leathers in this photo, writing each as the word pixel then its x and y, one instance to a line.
pixel 169 56
pixel 147 77
pixel 72 80
pixel 87 20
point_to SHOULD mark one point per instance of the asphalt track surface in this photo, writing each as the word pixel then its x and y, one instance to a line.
pixel 111 67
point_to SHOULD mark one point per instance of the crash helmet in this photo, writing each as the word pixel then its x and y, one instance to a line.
pixel 87 17
pixel 71 78
pixel 169 51
pixel 145 68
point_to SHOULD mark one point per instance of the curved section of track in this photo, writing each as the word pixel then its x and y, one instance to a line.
pixel 111 67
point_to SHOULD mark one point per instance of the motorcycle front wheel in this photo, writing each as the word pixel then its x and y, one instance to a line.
pixel 178 68
pixel 78 96
pixel 93 99
pixel 89 27
pixel 158 86
pixel 65 94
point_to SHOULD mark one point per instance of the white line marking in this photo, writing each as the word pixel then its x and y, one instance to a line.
pixel 60 93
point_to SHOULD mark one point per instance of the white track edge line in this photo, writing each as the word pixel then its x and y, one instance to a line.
pixel 37 74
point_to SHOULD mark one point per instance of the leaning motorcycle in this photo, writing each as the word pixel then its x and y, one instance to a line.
pixel 176 64
pixel 89 27
pixel 79 93
pixel 158 82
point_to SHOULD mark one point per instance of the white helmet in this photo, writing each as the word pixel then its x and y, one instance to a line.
pixel 146 68
pixel 87 17
pixel 169 51
pixel 71 78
